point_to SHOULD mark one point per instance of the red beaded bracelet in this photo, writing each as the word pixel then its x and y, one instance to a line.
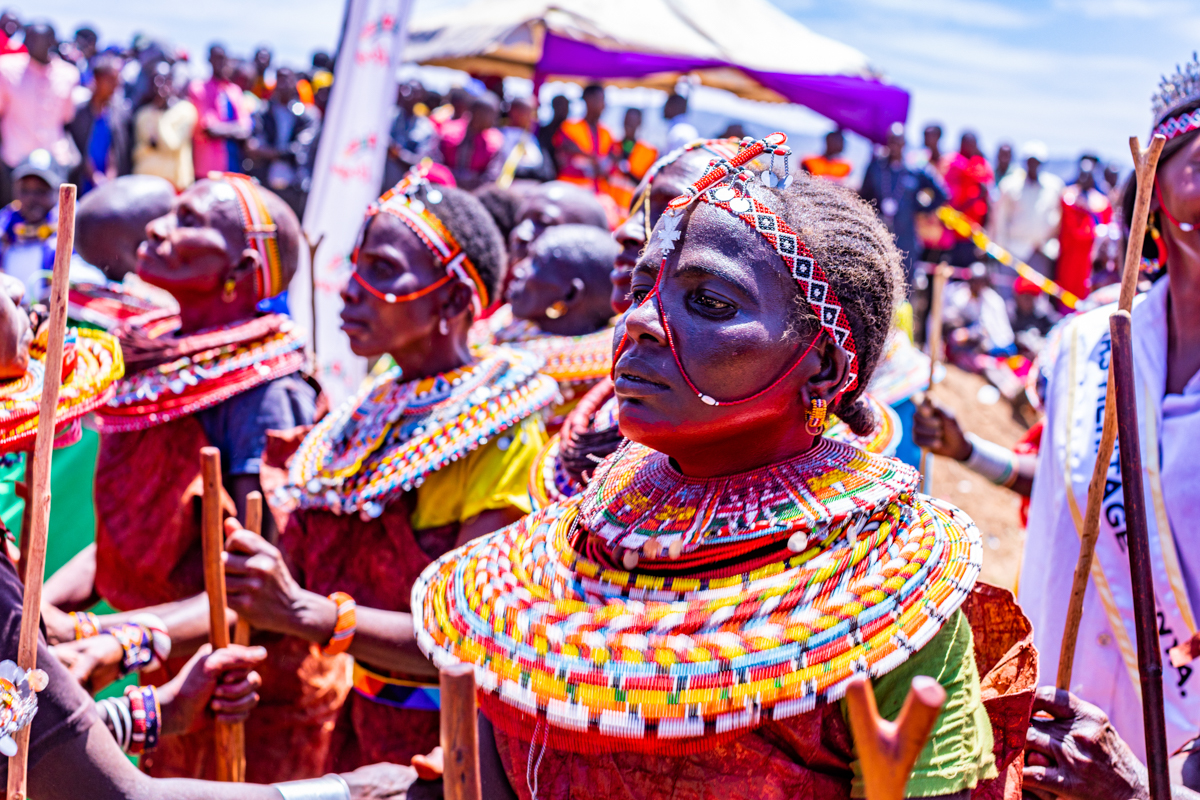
pixel 347 623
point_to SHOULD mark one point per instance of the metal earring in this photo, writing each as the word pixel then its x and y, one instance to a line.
pixel 443 328
pixel 229 291
pixel 557 310
pixel 814 418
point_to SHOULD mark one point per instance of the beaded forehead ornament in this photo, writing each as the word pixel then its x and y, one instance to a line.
pixel 721 148
pixel 1175 92
pixel 724 185
pixel 401 201
pixel 261 232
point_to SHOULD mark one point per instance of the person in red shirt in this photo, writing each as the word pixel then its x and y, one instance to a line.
pixel 469 143
pixel 968 175
pixel 1084 209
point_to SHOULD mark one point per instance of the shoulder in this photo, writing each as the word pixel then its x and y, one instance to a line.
pixel 13 65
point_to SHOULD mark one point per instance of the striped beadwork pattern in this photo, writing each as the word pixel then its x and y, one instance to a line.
pixel 653 660
pixel 92 364
pixel 384 441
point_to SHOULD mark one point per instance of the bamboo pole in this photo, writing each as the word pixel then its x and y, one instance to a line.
pixel 460 733
pixel 1138 541
pixel 1145 163
pixel 888 750
pixel 34 565
pixel 230 762
pixel 940 275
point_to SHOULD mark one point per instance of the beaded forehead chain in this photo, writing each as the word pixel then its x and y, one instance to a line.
pixel 724 185
pixel 261 231
pixel 401 201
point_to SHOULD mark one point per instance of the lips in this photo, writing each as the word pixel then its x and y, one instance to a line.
pixel 635 378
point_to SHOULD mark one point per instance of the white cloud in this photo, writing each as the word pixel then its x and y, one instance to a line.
pixel 1135 9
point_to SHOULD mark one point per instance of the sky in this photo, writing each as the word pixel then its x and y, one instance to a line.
pixel 1076 74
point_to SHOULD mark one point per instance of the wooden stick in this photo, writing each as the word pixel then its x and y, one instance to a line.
pixel 27 514
pixel 1145 163
pixel 312 286
pixel 888 750
pixel 229 760
pixel 940 275
pixel 254 518
pixel 460 733
pixel 1138 540
pixel 34 565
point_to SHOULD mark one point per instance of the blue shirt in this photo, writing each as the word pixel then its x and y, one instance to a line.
pixel 238 427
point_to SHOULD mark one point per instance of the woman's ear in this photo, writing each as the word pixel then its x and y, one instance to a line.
pixel 248 264
pixel 834 374
pixel 458 301
pixel 575 292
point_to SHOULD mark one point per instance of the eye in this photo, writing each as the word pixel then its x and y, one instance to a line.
pixel 710 303
pixel 638 295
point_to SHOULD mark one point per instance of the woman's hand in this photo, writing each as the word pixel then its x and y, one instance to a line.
pixel 223 685
pixel 389 782
pixel 1077 754
pixel 936 430
pixel 95 662
pixel 262 590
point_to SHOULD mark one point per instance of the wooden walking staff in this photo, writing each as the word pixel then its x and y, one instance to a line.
pixel 33 564
pixel 1145 163
pixel 887 750
pixel 460 734
pixel 313 247
pixel 230 747
pixel 1137 538
pixel 940 274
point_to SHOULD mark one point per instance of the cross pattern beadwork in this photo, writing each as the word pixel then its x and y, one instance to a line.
pixel 669 233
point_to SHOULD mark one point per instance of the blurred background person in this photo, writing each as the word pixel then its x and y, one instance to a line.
pixel 163 130
pixel 281 147
pixel 469 143
pixel 967 175
pixel 1084 208
pixel 680 130
pixel 223 119
pixel 101 127
pixel 1028 210
pixel 829 165
pixel 412 136
pixel 520 155
pixel 560 109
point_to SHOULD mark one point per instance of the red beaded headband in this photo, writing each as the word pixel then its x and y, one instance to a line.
pixel 261 231
pixel 723 186
pixel 401 202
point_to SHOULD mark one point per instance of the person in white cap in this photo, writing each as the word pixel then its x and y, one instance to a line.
pixel 1026 213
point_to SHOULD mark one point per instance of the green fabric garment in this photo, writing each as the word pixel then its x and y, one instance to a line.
pixel 958 754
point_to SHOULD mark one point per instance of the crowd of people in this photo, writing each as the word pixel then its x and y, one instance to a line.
pixel 640 441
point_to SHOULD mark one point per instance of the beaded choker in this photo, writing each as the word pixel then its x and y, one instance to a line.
pixel 180 376
pixel 791 580
pixel 92 364
pixel 385 441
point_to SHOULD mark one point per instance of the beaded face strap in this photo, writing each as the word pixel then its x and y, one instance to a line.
pixel 261 231
pixel 724 185
pixel 401 201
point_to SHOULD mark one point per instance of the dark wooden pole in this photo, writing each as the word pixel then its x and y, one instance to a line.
pixel 460 733
pixel 1137 539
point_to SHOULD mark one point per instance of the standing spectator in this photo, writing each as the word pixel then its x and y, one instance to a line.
pixel 412 135
pixel 560 107
pixel 262 88
pixel 101 128
pixel 84 45
pixel 9 25
pixel 224 121
pixel 680 130
pixel 1004 156
pixel 520 156
pixel 829 165
pixel 28 225
pixel 282 144
pixel 967 175
pixel 470 143
pixel 35 105
pixel 163 133
pixel 634 154
pixel 584 150
pixel 898 193
pixel 1028 211
pixel 932 137
pixel 1084 210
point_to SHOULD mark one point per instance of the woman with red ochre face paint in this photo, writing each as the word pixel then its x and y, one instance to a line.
pixel 690 619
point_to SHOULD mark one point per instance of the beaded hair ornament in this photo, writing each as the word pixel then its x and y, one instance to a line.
pixel 720 148
pixel 261 232
pixel 401 201
pixel 724 185
pixel 1176 92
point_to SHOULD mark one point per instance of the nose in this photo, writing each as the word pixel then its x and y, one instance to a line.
pixel 631 235
pixel 157 230
pixel 643 323
pixel 350 292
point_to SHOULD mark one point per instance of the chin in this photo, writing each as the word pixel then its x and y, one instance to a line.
pixel 646 424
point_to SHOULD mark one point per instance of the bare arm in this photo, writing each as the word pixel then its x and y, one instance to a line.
pixel 73 586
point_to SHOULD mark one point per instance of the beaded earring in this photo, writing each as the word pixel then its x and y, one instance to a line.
pixel 814 418
pixel 443 327
pixel 229 291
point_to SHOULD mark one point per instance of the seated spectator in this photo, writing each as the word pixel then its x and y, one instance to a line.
pixel 29 224
pixel 101 128
pixel 162 137
pixel 470 142
pixel 829 165
pixel 282 144
pixel 35 105
pixel 975 317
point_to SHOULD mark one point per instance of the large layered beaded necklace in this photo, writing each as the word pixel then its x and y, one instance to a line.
pixel 789 580
pixel 570 360
pixel 92 364
pixel 386 440
pixel 214 365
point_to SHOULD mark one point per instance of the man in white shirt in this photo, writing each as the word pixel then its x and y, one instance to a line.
pixel 1025 216
pixel 679 130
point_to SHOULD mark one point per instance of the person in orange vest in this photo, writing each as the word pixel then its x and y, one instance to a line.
pixel 584 152
pixel 634 157
pixel 829 165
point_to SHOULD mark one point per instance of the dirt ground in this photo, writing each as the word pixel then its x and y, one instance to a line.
pixel 994 509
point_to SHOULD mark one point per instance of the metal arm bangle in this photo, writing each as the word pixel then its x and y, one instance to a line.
pixel 996 463
pixel 330 787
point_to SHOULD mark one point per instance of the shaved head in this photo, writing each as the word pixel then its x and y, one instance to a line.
pixel 111 220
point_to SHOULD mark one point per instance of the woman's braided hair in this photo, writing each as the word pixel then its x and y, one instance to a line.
pixel 863 267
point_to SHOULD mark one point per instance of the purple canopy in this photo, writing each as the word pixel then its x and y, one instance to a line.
pixel 866 106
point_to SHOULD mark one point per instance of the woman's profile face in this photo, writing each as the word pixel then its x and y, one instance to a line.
pixel 732 310
pixel 1179 184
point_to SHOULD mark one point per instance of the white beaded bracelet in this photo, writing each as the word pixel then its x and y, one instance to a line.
pixel 329 787
pixel 996 463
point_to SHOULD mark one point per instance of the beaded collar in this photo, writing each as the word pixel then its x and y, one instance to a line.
pixel 181 376
pixel 798 577
pixel 92 364
pixel 569 359
pixel 386 440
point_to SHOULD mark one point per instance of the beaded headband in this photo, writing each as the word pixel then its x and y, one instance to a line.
pixel 1175 92
pixel 261 231
pixel 401 201
pixel 724 185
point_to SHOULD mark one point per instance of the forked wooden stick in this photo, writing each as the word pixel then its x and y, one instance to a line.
pixel 460 734
pixel 33 565
pixel 1145 163
pixel 940 275
pixel 888 750
pixel 231 760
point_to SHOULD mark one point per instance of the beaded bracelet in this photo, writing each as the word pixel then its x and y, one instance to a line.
pixel 87 624
pixel 347 624
pixel 144 641
pixel 146 715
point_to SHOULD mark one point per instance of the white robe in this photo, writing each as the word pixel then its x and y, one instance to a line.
pixel 1105 670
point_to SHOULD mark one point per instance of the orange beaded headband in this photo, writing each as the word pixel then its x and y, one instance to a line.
pixel 261 231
